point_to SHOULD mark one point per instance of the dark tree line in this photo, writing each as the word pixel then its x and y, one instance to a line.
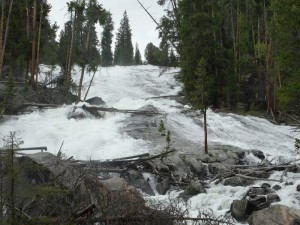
pixel 27 39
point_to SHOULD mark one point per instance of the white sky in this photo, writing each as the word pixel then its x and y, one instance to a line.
pixel 143 28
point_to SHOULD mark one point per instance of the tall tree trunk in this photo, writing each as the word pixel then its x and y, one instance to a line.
pixel 205 130
pixel 80 83
pixel 268 59
pixel 69 64
pixel 83 67
pixel 12 181
pixel 33 51
pixel 1 26
pixel 28 36
pixel 5 37
pixel 39 43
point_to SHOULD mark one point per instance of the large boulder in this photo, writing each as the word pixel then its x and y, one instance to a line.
pixel 194 188
pixel 275 215
pixel 96 101
pixel 162 186
pixel 136 179
pixel 240 210
pixel 195 166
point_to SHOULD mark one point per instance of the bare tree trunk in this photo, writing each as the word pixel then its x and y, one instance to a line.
pixel 28 36
pixel 12 181
pixel 1 27
pixel 5 37
pixel 33 51
pixel 68 72
pixel 83 67
pixel 91 82
pixel 205 130
pixel 268 58
pixel 39 43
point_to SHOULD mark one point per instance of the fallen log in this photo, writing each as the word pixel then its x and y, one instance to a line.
pixel 114 110
pixel 165 96
pixel 256 178
pixel 42 148
pixel 41 105
pixel 131 157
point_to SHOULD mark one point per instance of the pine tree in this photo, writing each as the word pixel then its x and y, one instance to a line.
pixel 137 56
pixel 153 54
pixel 124 50
pixel 106 41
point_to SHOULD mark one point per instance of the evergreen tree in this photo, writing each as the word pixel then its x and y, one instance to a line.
pixel 107 35
pixel 137 56
pixel 124 50
pixel 153 54
pixel 18 47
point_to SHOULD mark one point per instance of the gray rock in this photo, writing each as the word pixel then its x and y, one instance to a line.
pixel 149 108
pixel 240 210
pixel 275 215
pixel 77 114
pixel 271 198
pixel 96 101
pixel 276 187
pixel 257 153
pixel 298 187
pixel 266 186
pixel 215 168
pixel 195 166
pixel 237 181
pixel 162 187
pixel 258 203
pixel 194 188
pixel 254 191
pixel 136 179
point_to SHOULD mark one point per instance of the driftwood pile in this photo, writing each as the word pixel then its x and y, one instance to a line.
pixel 257 172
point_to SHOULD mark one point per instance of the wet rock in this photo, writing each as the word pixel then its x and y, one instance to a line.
pixel 254 191
pixel 240 210
pixel 298 187
pixel 194 188
pixel 136 179
pixel 149 108
pixel 257 153
pixel 276 187
pixel 96 101
pixel 195 166
pixel 258 203
pixel 215 168
pixel 271 198
pixel 78 114
pixel 288 183
pixel 237 181
pixel 162 187
pixel 266 185
pixel 275 215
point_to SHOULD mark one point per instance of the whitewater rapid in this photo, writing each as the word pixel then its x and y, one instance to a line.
pixel 131 88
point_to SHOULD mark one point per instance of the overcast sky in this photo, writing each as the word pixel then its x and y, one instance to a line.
pixel 143 28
